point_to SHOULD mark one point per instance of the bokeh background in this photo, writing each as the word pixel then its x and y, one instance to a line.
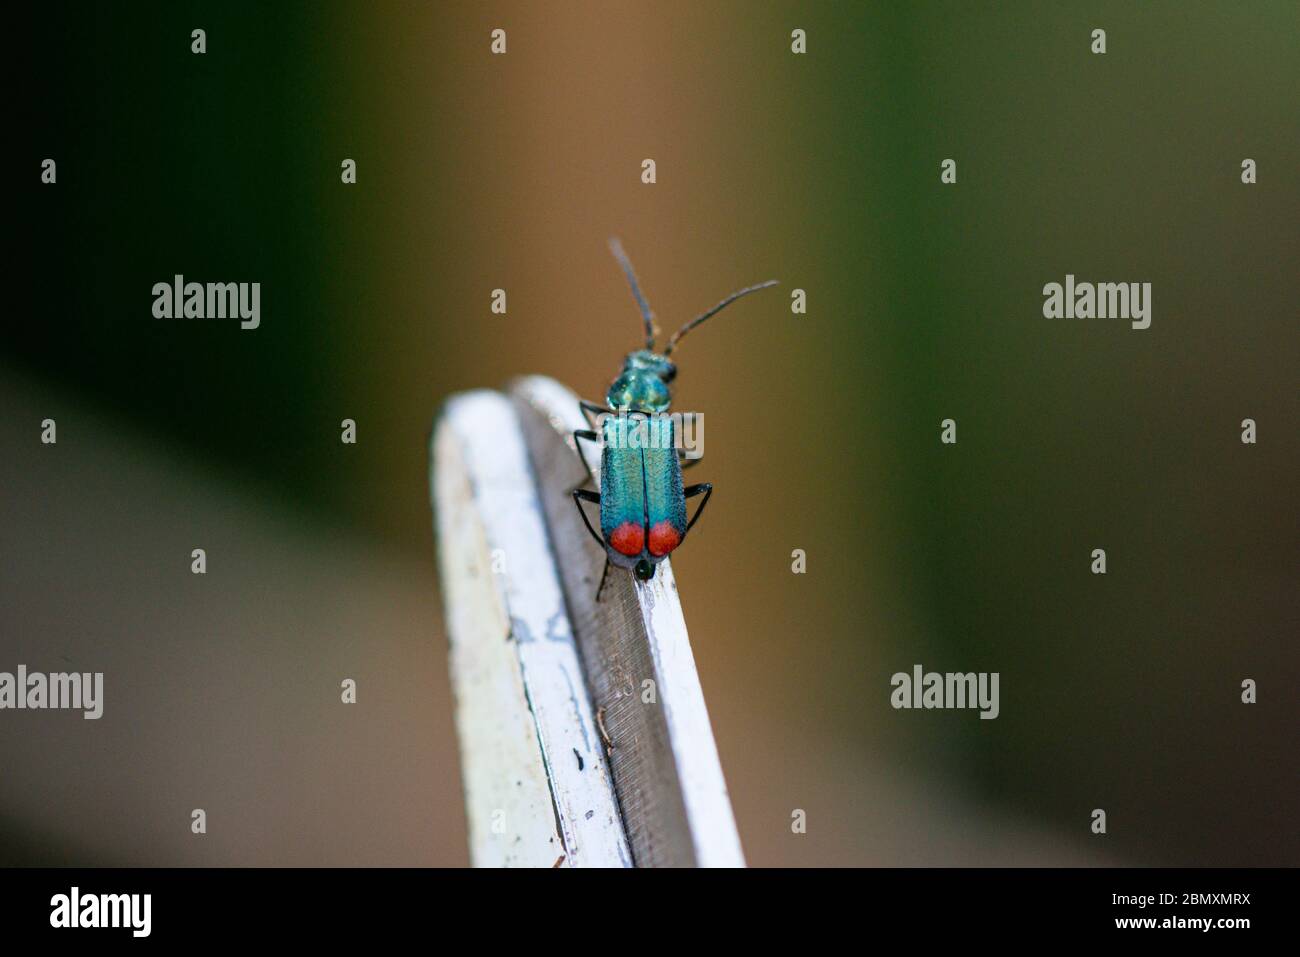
pixel 924 302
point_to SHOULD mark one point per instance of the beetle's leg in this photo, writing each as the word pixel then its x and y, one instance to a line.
pixel 589 407
pixel 705 489
pixel 603 575
pixel 581 495
pixel 687 461
pixel 590 437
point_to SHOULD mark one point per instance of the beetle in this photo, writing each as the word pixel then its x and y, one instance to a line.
pixel 642 499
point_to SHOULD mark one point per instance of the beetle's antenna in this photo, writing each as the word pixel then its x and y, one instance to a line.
pixel 647 316
pixel 672 343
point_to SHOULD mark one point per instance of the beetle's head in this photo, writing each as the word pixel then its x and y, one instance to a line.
pixel 642 386
pixel 644 571
pixel 644 360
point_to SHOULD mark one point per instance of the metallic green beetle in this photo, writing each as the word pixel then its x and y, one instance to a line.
pixel 642 500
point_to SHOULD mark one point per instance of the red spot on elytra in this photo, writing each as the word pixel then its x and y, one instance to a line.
pixel 628 539
pixel 663 539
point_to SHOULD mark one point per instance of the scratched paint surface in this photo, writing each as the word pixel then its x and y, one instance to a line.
pixel 521 698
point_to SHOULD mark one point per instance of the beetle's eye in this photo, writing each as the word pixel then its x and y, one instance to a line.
pixel 644 570
pixel 669 373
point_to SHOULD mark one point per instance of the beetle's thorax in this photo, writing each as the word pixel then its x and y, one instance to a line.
pixel 643 385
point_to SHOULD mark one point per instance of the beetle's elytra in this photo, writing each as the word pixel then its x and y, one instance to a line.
pixel 642 499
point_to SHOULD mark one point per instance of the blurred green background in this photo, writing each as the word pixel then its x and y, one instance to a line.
pixel 924 302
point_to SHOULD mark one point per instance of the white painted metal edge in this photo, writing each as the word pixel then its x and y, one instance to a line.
pixel 537 784
pixel 638 661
